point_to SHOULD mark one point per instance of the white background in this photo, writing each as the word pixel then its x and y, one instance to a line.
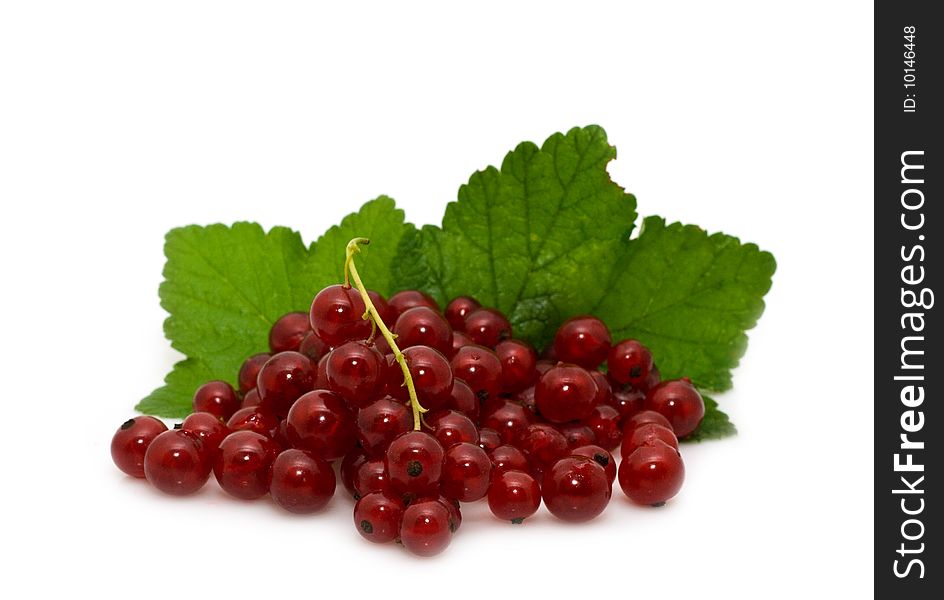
pixel 121 120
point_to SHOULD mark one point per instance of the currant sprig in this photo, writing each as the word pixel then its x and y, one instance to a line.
pixel 377 324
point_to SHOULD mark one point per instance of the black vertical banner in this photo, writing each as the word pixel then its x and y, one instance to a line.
pixel 909 367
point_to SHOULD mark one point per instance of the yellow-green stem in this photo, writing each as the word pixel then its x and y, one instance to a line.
pixel 350 272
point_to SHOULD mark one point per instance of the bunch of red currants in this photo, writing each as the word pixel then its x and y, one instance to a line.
pixel 481 416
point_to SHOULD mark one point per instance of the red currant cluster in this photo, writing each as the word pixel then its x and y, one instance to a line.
pixel 479 416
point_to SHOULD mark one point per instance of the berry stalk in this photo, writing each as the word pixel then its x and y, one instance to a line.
pixel 377 324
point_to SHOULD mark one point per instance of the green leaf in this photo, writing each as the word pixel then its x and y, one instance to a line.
pixel 714 426
pixel 533 239
pixel 224 287
pixel 689 297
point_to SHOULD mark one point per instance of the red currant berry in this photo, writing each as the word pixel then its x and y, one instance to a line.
pixel 288 332
pixel 451 427
pixel 604 389
pixel 216 397
pixel 321 423
pixel 371 476
pixel 459 340
pixel 458 309
pixel 584 341
pixel 250 399
pixel 679 402
pixel 576 489
pixel 380 422
pixel 403 301
pixel 465 473
pixel 321 374
pixel 284 377
pixel 647 435
pixel 627 401
pixel 510 420
pixel 463 400
pixel 577 434
pixel 337 315
pixel 131 441
pixel 425 528
pixel 518 360
pixel 601 456
pixel 378 517
pixel 543 366
pixel 644 417
pixel 543 445
pixel 423 326
pixel 487 327
pixel 652 474
pixel 414 462
pixel 383 308
pixel 254 419
pixel 565 393
pixel 526 398
pixel 629 362
pixel 176 463
pixel 301 483
pixel 604 420
pixel 508 458
pixel 243 464
pixel 514 496
pixel 208 428
pixel 313 347
pixel 653 380
pixel 481 369
pixel 432 377
pixel 357 372
pixel 249 371
pixel 455 515
pixel 349 465
pixel 489 439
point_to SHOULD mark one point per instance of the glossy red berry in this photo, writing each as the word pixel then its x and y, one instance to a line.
pixel 451 427
pixel 514 496
pixel 288 332
pixel 487 327
pixel 583 340
pixel 481 368
pixel 425 529
pixel 459 340
pixel 423 326
pixel 321 374
pixel 604 389
pixel 403 301
pixel 518 360
pixel 629 362
pixel 577 434
pixel 432 377
pixel 642 418
pixel 565 393
pixel 249 371
pixel 508 458
pixel 357 372
pixel 370 476
pixel 526 398
pixel 627 401
pixel 352 460
pixel 458 309
pixel 489 439
pixel 216 397
pixel 250 399
pixel 604 420
pixel 131 441
pixel 601 456
pixel 510 420
pixel 466 472
pixel 253 418
pixel 176 463
pixel 647 435
pixel 576 489
pixel 208 428
pixel 313 347
pixel 679 402
pixel 301 483
pixel 463 400
pixel 337 315
pixel 243 463
pixel 377 517
pixel 543 445
pixel 321 423
pixel 652 474
pixel 414 462
pixel 284 377
pixel 381 422
pixel 653 380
